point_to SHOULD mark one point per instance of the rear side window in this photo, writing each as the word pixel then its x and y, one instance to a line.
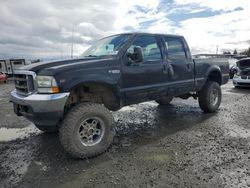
pixel 175 48
pixel 150 48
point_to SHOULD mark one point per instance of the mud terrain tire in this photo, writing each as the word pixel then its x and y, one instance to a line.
pixel 87 130
pixel 210 97
pixel 164 100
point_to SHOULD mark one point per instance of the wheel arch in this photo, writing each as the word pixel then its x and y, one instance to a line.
pixel 213 74
pixel 96 91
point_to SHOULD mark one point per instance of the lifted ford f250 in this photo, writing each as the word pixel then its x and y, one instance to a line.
pixel 76 95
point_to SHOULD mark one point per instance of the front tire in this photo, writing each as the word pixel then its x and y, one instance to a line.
pixel 210 97
pixel 87 130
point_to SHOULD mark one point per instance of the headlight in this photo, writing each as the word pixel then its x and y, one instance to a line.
pixel 46 84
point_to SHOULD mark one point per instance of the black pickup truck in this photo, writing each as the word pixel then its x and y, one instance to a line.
pixel 75 96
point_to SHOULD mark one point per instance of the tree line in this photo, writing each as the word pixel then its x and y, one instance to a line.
pixel 245 52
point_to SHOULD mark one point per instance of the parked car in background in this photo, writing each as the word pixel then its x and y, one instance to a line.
pixel 3 77
pixel 241 77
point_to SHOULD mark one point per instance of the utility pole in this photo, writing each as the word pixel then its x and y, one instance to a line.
pixel 72 43
pixel 217 49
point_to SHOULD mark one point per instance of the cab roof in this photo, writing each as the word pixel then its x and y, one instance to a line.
pixel 146 33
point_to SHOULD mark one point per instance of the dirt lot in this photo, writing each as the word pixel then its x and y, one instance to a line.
pixel 174 146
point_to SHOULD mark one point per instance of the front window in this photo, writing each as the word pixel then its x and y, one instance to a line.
pixel 107 46
pixel 150 48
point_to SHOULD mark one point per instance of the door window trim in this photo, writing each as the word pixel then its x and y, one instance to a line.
pixel 158 42
pixel 182 43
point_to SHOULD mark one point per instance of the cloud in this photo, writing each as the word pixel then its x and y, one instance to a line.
pixel 205 24
pixel 226 30
pixel 44 28
pixel 215 4
pixel 130 14
pixel 30 28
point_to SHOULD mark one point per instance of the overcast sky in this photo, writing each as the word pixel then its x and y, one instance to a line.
pixel 31 28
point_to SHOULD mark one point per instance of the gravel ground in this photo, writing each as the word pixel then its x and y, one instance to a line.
pixel 172 146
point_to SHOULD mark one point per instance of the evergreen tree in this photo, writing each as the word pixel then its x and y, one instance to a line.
pixel 227 52
pixel 246 52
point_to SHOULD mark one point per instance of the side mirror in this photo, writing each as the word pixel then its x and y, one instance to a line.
pixel 136 57
pixel 138 54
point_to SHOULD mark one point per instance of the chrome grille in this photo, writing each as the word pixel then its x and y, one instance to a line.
pixel 24 82
pixel 244 77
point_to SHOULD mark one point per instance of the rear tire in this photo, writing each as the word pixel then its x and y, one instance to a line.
pixel 210 97
pixel 87 130
pixel 47 129
pixel 164 100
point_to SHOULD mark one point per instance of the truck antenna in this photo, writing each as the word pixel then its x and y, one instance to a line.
pixel 72 43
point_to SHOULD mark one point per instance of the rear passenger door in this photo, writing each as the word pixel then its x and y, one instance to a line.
pixel 180 66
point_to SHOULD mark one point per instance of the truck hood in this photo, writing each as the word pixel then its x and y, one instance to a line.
pixel 244 63
pixel 244 66
pixel 55 66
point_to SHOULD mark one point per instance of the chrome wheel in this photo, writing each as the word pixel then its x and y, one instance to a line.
pixel 214 97
pixel 91 131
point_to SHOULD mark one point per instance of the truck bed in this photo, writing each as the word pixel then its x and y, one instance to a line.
pixel 203 65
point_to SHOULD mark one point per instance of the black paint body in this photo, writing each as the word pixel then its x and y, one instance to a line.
pixel 136 82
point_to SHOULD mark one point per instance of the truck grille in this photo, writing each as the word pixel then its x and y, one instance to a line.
pixel 24 83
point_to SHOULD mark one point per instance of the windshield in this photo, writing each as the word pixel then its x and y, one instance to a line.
pixel 107 46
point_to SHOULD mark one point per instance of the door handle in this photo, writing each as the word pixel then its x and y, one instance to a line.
pixel 189 68
pixel 168 69
pixel 165 69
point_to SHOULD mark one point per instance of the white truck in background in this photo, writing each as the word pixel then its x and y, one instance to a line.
pixel 8 66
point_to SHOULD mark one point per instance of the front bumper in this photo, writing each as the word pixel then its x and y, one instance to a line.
pixel 238 81
pixel 41 109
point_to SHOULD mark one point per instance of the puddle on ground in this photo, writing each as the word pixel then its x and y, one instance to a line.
pixel 135 107
pixel 21 157
pixel 127 108
pixel 8 134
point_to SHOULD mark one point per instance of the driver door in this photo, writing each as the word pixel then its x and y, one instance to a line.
pixel 145 80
